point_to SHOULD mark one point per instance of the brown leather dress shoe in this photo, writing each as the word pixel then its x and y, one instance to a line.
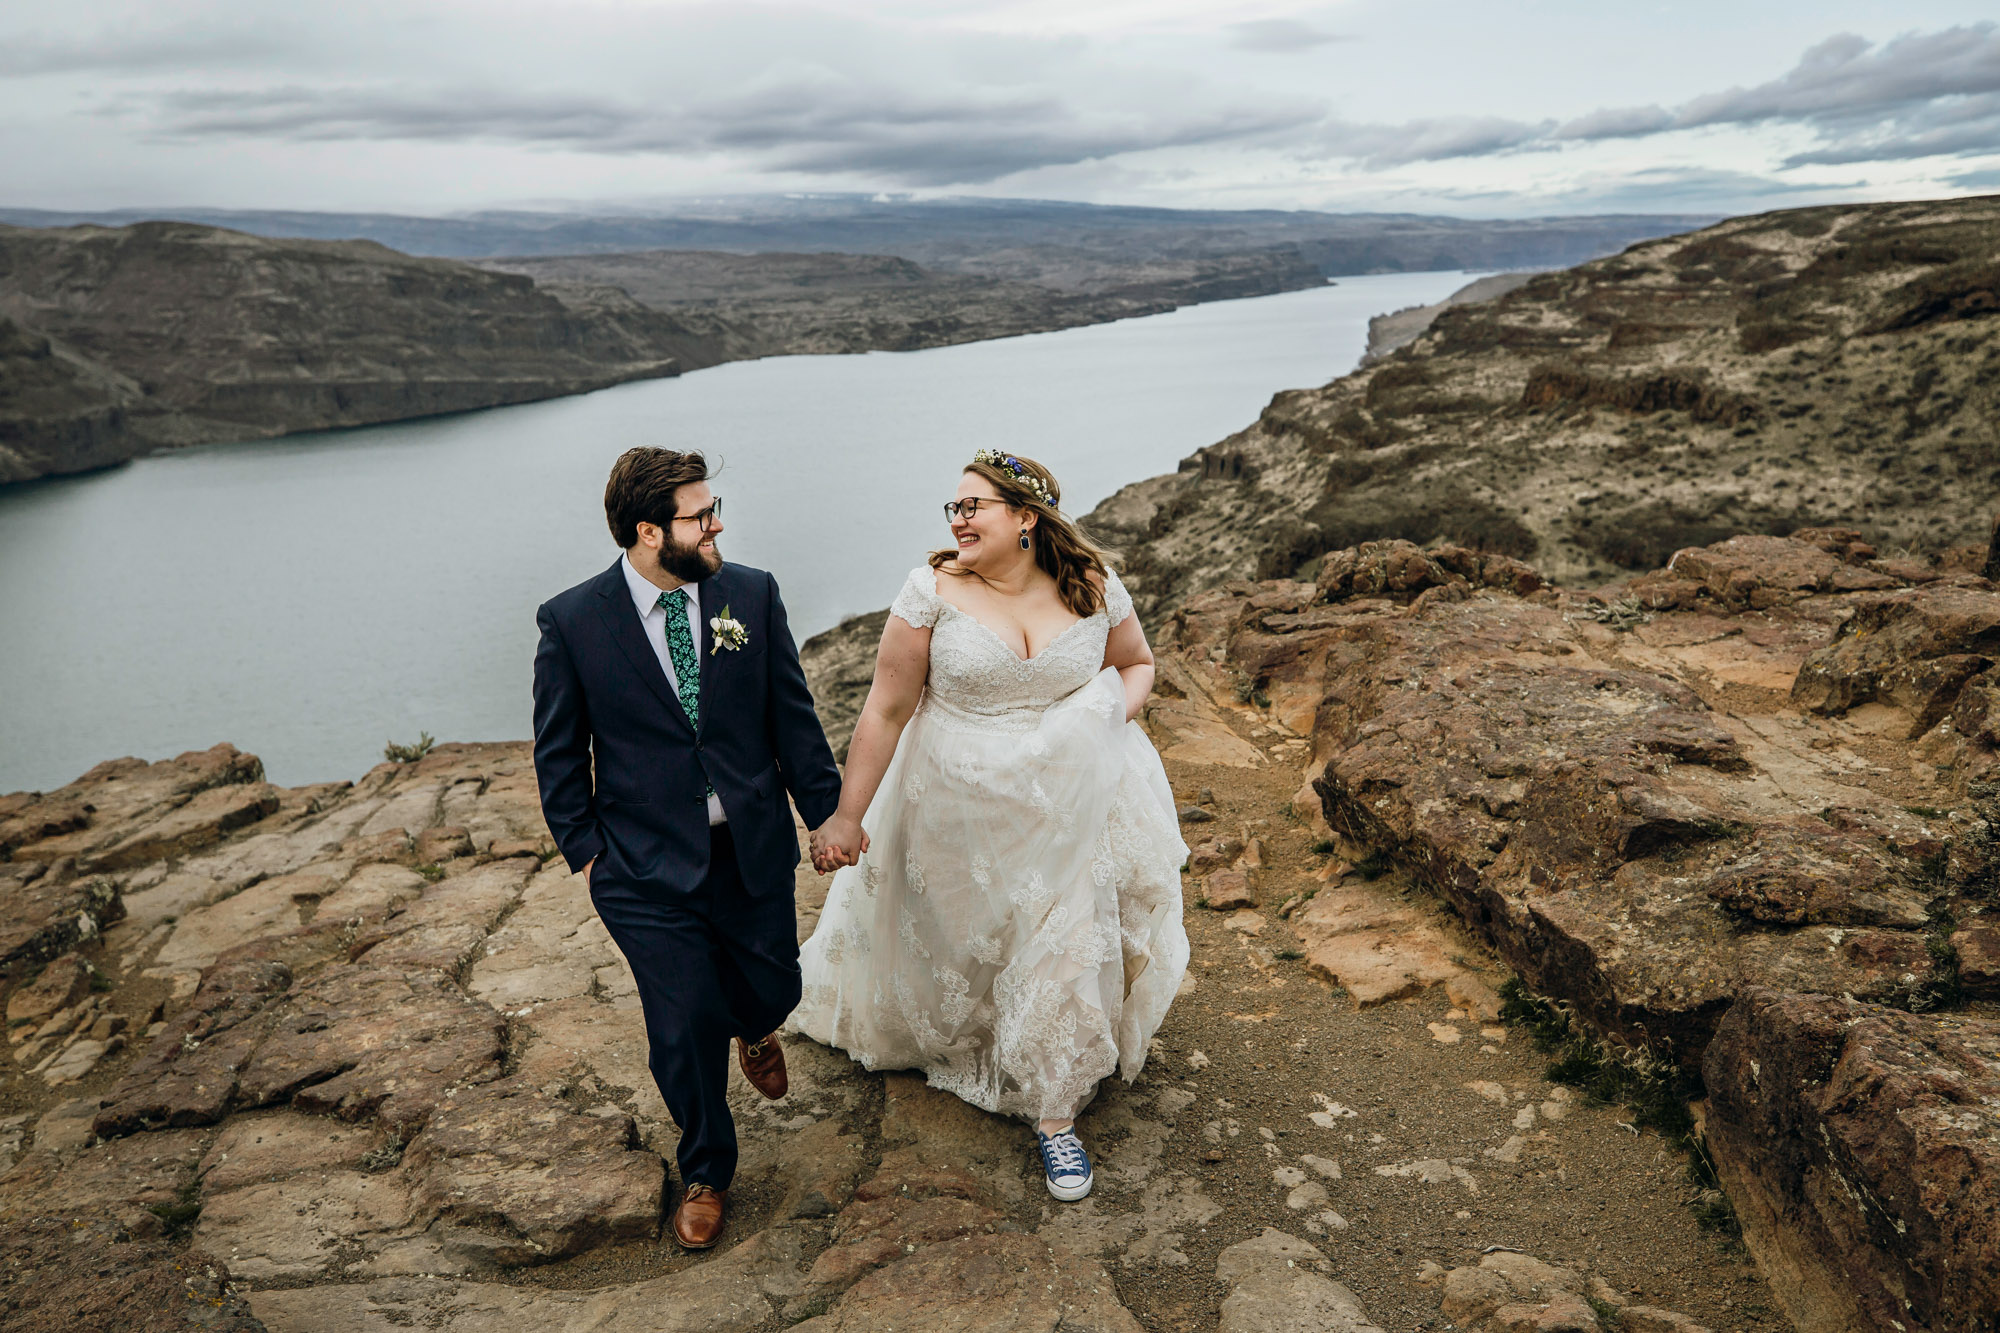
pixel 763 1064
pixel 697 1223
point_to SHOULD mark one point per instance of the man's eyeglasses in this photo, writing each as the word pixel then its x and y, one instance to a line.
pixel 709 518
pixel 968 509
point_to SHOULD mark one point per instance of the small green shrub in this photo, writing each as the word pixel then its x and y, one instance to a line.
pixel 397 753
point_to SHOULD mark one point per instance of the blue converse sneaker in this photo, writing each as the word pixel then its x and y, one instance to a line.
pixel 1065 1164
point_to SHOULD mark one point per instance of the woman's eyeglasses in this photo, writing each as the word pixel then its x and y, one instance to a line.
pixel 968 509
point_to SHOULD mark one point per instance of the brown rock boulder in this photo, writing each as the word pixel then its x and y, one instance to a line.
pixel 188 1075
pixel 1803 872
pixel 1227 890
pixel 1860 1148
pixel 49 914
pixel 61 984
pixel 204 820
pixel 443 843
pixel 1916 649
pixel 998 1283
pixel 506 1159
pixel 360 1041
pixel 1758 573
pixel 106 804
pixel 1402 570
pixel 1978 949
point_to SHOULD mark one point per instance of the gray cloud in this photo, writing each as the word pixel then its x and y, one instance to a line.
pixel 1428 140
pixel 1280 36
pixel 821 125
pixel 137 52
pixel 1697 188
pixel 1919 95
pixel 1846 78
pixel 1630 122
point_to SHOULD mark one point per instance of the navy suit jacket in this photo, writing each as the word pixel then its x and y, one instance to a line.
pixel 623 775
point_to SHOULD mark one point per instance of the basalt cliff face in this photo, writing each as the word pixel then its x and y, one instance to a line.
pixel 116 342
pixel 1823 366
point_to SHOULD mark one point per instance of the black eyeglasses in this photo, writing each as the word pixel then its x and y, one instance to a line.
pixel 708 518
pixel 968 508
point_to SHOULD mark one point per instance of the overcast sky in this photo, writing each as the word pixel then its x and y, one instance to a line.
pixel 1468 107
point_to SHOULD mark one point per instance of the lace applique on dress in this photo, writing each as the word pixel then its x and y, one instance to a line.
pixel 1117 602
pixel 918 604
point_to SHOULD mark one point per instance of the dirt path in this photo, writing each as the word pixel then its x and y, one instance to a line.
pixel 1395 1135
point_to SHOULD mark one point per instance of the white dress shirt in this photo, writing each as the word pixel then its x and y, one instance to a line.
pixel 646 598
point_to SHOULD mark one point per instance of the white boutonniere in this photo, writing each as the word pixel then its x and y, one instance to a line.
pixel 730 634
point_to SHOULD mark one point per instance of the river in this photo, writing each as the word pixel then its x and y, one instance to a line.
pixel 310 598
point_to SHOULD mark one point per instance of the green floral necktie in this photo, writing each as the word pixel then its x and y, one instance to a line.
pixel 680 650
pixel 687 663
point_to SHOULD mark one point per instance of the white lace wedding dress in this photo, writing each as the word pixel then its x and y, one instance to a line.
pixel 1014 930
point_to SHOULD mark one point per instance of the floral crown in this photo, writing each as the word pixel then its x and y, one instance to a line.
pixel 1018 470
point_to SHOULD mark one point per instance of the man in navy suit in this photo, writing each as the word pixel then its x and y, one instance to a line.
pixel 671 719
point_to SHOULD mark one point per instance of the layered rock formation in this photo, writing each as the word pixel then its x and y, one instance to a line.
pixel 1739 814
pixel 1821 366
pixel 115 342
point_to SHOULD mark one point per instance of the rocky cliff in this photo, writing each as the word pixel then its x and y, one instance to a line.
pixel 116 342
pixel 1821 366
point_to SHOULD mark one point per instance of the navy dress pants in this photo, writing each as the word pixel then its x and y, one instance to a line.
pixel 712 963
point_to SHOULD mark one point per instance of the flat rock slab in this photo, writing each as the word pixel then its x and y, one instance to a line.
pixel 504 1158
pixel 443 928
pixel 1002 1283
pixel 1278 1284
pixel 363 1041
pixel 295 1228
pixel 729 1293
pixel 188 1074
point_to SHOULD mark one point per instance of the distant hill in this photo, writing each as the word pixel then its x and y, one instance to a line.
pixel 115 342
pixel 1001 238
pixel 1835 365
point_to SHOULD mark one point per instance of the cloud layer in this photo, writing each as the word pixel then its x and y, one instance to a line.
pixel 1181 100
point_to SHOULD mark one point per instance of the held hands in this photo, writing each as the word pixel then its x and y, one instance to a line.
pixel 836 843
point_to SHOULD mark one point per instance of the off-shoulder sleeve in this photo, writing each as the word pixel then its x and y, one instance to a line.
pixel 1117 602
pixel 918 603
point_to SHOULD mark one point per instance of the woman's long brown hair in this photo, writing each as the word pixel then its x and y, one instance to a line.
pixel 1060 546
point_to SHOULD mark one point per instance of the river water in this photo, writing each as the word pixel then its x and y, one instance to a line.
pixel 310 598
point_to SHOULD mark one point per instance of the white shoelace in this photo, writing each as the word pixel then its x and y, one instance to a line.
pixel 1064 1154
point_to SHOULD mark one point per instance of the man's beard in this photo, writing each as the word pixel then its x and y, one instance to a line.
pixel 688 563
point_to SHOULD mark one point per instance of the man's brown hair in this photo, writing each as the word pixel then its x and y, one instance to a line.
pixel 643 489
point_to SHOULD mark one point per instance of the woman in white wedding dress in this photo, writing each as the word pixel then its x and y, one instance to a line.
pixel 1013 928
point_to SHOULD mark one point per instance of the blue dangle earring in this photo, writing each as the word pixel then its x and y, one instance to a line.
pixel 1024 539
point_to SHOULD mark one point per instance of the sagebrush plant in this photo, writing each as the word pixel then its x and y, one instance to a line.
pixel 398 753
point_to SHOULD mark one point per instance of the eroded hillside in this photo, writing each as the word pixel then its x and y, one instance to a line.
pixel 116 342
pixel 1827 365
